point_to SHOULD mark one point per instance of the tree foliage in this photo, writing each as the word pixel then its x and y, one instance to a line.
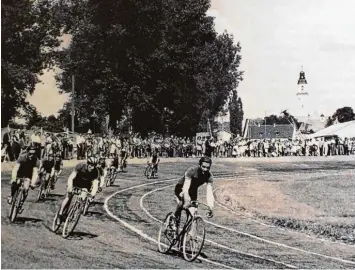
pixel 344 114
pixel 236 114
pixel 154 63
pixel 29 38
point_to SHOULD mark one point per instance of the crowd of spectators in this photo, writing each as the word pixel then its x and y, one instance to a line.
pixel 81 145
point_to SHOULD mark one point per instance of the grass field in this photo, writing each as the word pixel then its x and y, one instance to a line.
pixel 313 197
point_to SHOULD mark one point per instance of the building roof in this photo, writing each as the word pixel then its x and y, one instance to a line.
pixel 272 131
pixel 314 124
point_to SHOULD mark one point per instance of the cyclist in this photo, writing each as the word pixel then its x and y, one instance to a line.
pixel 124 154
pixel 114 166
pixel 187 187
pixel 154 161
pixel 47 167
pixel 58 168
pixel 103 171
pixel 26 167
pixel 84 176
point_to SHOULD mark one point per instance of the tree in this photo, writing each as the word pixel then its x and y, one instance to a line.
pixel 29 39
pixel 168 59
pixel 236 114
pixel 344 114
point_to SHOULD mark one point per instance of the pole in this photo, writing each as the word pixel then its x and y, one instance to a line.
pixel 72 104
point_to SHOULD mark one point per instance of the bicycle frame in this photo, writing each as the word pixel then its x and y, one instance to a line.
pixel 190 216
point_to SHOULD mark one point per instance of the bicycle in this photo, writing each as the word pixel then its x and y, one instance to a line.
pixel 188 235
pixel 72 213
pixel 150 171
pixel 18 199
pixel 44 188
pixel 123 165
pixel 111 176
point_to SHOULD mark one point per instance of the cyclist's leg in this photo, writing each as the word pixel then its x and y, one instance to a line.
pixel 68 196
pixel 13 190
pixel 179 206
pixel 26 186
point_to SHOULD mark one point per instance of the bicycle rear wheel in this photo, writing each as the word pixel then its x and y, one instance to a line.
pixel 166 236
pixel 193 239
pixel 72 219
pixel 15 205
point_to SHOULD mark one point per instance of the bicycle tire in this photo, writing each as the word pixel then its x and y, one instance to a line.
pixel 194 253
pixel 108 179
pixel 148 172
pixel 15 205
pixel 113 178
pixel 48 188
pixel 55 226
pixel 72 219
pixel 86 207
pixel 163 231
pixel 41 190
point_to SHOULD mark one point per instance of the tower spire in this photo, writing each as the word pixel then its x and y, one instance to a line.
pixel 302 92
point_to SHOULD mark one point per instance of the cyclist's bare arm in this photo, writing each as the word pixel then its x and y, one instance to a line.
pixel 14 172
pixel 209 195
pixel 95 187
pixel 70 181
pixel 102 180
pixel 185 190
pixel 52 172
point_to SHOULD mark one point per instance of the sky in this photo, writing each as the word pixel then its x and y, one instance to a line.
pixel 278 38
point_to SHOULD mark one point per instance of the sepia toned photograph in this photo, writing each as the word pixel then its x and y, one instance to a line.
pixel 177 134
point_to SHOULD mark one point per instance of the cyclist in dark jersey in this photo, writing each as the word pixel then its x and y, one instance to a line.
pixel 58 168
pixel 85 176
pixel 103 171
pixel 187 187
pixel 26 167
pixel 154 161
pixel 47 167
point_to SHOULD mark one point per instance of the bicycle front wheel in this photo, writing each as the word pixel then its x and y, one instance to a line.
pixel 194 239
pixel 148 172
pixel 108 178
pixel 15 205
pixel 41 190
pixel 55 225
pixel 86 207
pixel 167 232
pixel 72 219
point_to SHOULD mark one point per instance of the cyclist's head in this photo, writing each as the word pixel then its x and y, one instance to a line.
pixel 31 151
pixel 50 155
pixel 205 164
pixel 92 163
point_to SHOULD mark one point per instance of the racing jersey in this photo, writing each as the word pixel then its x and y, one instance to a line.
pixel 58 164
pixel 26 166
pixel 84 178
pixel 102 163
pixel 47 165
pixel 114 162
pixel 154 158
pixel 197 180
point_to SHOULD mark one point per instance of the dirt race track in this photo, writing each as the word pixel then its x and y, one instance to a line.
pixel 121 228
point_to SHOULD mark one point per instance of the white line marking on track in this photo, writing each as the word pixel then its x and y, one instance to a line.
pixel 210 241
pixel 251 235
pixel 139 232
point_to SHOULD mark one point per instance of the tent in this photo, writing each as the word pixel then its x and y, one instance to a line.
pixel 342 130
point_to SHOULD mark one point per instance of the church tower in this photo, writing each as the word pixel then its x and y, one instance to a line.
pixel 302 95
